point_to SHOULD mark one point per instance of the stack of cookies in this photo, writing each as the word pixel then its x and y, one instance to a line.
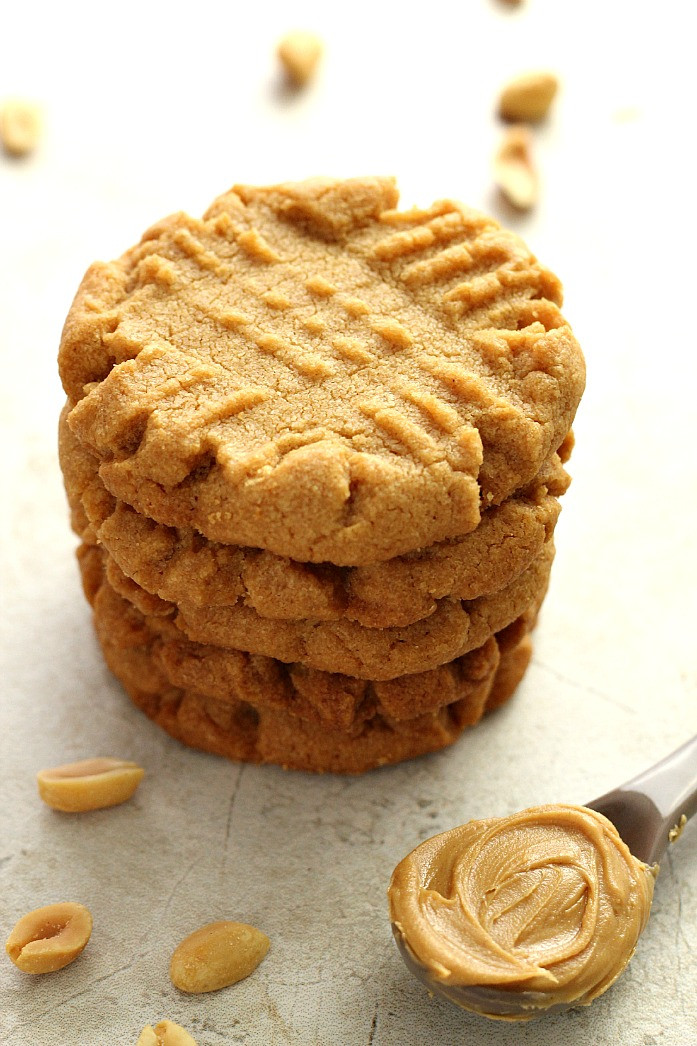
pixel 313 447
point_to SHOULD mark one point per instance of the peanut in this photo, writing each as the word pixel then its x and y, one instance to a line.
pixel 528 97
pixel 299 53
pixel 20 127
pixel 90 784
pixel 49 938
pixel 514 171
pixel 166 1033
pixel 217 955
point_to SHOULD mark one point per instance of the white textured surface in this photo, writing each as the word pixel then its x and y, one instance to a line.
pixel 148 110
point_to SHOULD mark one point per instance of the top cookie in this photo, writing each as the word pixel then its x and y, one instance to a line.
pixel 311 371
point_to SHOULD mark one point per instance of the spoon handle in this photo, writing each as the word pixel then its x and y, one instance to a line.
pixel 648 808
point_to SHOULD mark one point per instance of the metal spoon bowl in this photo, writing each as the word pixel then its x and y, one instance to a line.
pixel 649 812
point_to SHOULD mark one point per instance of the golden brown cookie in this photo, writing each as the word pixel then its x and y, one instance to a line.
pixel 511 669
pixel 154 644
pixel 239 732
pixel 311 371
pixel 182 566
pixel 455 628
pixel 270 715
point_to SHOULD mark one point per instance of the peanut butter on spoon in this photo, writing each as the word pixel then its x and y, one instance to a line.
pixel 548 902
pixel 515 917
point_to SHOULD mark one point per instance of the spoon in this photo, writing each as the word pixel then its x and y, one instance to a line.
pixel 649 812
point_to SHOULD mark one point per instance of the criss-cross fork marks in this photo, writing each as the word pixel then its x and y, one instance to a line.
pixel 164 377
pixel 447 259
pixel 308 364
pixel 462 452
pixel 451 261
pixel 432 232
pixel 494 266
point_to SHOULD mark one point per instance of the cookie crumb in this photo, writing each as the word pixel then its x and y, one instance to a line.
pixel 676 831
pixel 20 127
pixel 299 53
pixel 514 170
pixel 528 97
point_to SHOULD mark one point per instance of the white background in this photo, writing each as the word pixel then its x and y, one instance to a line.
pixel 150 108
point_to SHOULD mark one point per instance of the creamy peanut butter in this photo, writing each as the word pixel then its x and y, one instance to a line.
pixel 545 906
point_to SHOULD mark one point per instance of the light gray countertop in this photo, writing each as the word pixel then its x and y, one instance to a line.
pixel 149 110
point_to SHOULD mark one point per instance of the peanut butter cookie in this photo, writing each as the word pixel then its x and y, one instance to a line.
pixel 344 647
pixel 260 710
pixel 311 371
pixel 183 567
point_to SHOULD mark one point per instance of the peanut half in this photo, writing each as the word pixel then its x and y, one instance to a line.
pixel 91 784
pixel 528 97
pixel 20 127
pixel 165 1033
pixel 49 938
pixel 514 171
pixel 217 955
pixel 299 53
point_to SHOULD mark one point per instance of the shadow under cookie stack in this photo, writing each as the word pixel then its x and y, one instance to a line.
pixel 313 448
